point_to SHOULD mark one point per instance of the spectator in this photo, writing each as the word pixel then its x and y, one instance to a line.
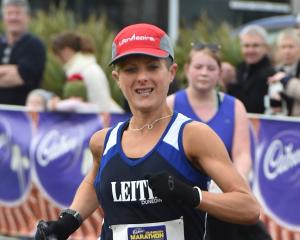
pixel 227 116
pixel 76 53
pixel 37 100
pixel 74 99
pixel 22 56
pixel 291 87
pixel 251 84
pixel 288 61
pixel 228 75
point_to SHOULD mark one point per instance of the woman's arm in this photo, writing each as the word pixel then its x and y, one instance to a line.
pixel 208 153
pixel 240 153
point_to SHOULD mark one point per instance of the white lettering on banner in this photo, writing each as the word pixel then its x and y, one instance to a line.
pixel 136 38
pixel 279 159
pixel 3 140
pixel 18 161
pixel 18 164
pixel 54 145
pixel 131 191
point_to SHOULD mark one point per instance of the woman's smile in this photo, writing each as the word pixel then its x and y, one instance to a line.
pixel 144 91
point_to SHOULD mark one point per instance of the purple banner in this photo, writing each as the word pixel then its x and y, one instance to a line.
pixel 49 153
pixel 277 173
pixel 61 153
pixel 15 164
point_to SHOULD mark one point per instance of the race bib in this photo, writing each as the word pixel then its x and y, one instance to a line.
pixel 150 231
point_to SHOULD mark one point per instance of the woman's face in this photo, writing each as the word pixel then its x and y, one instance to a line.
pixel 144 81
pixel 203 72
pixel 35 102
pixel 65 54
pixel 289 51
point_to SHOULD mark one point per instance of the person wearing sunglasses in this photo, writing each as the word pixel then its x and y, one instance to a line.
pixel 150 173
pixel 225 114
pixel 22 55
pixel 251 85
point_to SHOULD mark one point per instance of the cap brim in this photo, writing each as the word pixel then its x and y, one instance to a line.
pixel 142 51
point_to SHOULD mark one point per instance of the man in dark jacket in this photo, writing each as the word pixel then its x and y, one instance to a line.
pixel 22 56
pixel 251 84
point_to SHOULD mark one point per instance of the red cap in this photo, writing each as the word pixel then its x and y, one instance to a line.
pixel 143 38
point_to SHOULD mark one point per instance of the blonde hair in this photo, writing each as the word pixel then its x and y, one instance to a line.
pixel 288 33
pixel 207 51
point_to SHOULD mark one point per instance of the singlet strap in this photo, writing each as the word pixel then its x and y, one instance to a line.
pixel 112 138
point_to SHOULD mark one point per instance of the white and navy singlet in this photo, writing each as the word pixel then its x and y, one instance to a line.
pixel 123 191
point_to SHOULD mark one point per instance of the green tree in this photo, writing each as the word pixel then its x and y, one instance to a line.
pixel 47 24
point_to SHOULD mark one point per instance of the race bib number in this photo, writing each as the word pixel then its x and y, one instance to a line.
pixel 150 231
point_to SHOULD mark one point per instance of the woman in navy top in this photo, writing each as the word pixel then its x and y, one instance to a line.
pixel 150 173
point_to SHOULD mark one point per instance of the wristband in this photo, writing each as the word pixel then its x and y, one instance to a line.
pixel 200 193
pixel 72 212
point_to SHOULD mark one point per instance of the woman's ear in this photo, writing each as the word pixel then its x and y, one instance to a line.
pixel 173 71
pixel 115 75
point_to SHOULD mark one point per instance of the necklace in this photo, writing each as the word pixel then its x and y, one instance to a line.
pixel 148 125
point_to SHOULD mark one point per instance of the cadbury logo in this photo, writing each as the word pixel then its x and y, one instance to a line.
pixel 135 37
pixel 280 158
pixel 54 145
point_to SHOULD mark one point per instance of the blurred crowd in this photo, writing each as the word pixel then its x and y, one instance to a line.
pixel 266 81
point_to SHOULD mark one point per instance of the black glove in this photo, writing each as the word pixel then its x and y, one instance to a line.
pixel 57 230
pixel 171 189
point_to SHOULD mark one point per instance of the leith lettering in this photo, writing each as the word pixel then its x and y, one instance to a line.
pixel 131 191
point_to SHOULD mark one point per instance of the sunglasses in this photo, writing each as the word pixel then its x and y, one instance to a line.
pixel 211 46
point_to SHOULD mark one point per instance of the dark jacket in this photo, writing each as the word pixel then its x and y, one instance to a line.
pixel 29 54
pixel 251 84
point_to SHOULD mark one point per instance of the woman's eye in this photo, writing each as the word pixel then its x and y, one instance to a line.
pixel 198 67
pixel 153 67
pixel 129 69
pixel 211 68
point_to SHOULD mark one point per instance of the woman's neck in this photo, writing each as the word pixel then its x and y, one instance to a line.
pixel 203 97
pixel 140 118
pixel 204 104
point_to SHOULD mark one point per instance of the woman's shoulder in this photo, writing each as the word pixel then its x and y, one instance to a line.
pixel 97 141
pixel 196 128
